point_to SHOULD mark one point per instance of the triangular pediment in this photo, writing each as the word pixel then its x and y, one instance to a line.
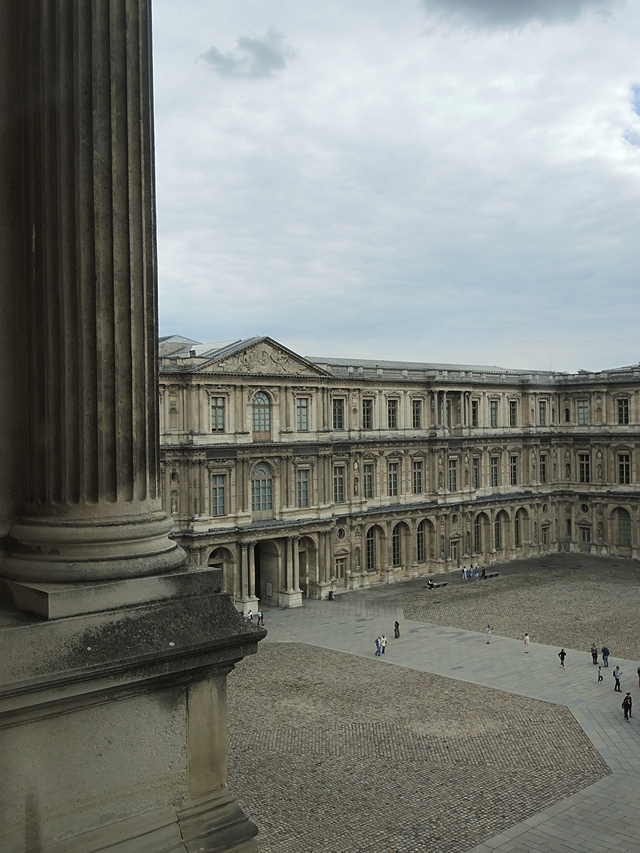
pixel 261 357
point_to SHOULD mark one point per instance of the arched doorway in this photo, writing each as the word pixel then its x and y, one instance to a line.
pixel 502 531
pixel 222 558
pixel 308 565
pixel 268 563
pixel 481 534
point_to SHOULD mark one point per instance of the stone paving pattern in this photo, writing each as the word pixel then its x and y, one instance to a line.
pixel 599 818
pixel 336 753
pixel 572 605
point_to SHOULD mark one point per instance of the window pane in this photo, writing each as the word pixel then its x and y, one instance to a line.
pixel 338 414
pixel 417 414
pixel 302 414
pixel 303 487
pixel 392 414
pixel 367 414
pixel 217 414
pixel 417 478
pixel 217 494
pixel 368 481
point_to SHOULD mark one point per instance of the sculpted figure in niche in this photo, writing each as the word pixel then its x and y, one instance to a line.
pixel 174 503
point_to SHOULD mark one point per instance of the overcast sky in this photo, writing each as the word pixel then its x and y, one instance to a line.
pixel 431 180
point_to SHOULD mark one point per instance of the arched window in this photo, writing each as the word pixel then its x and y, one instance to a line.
pixel 396 545
pixel 420 543
pixel 261 416
pixel 498 531
pixel 477 535
pixel 370 550
pixel 624 527
pixel 261 488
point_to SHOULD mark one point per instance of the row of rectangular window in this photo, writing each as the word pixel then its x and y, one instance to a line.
pixel 261 413
pixel 262 492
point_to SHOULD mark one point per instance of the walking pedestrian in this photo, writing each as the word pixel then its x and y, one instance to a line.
pixel 260 617
pixel 562 655
pixel 378 646
pixel 464 573
pixel 627 704
pixel 639 676
pixel 249 616
pixel 489 632
pixel 617 672
pixel 594 654
pixel 483 576
pixel 383 643
pixel 526 644
pixel 396 629
pixel 600 678
pixel 605 656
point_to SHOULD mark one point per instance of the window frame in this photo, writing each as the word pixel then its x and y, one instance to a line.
pixel 416 412
pixel 392 412
pixel 493 413
pixel 302 414
pixel 417 478
pixel 583 412
pixel 367 480
pixel 218 413
pixel 367 413
pixel 339 472
pixel 584 467
pixel 302 487
pixel 393 470
pixel 513 469
pixel 338 413
pixel 218 487
pixel 513 413
pixel 623 410
pixel 453 475
pixel 624 469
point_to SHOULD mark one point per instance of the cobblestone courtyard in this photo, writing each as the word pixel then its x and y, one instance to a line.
pixel 561 601
pixel 336 753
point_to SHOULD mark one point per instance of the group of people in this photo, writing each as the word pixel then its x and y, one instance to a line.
pixel 381 640
pixel 473 572
pixel 259 614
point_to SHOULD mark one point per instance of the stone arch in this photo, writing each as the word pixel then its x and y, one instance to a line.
pixel 374 541
pixel 268 561
pixel 425 541
pixel 481 533
pixel 502 530
pixel 621 523
pixel 261 416
pixel 400 544
pixel 222 558
pixel 308 564
pixel 521 527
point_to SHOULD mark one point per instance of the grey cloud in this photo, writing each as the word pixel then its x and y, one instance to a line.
pixel 253 57
pixel 516 13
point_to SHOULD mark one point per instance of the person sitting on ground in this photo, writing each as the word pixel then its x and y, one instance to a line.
pixel 430 584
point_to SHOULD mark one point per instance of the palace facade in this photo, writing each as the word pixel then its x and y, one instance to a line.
pixel 300 476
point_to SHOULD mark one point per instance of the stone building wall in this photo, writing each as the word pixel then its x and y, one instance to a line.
pixel 330 475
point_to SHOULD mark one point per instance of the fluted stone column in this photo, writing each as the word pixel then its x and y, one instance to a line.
pixel 112 706
pixel 91 506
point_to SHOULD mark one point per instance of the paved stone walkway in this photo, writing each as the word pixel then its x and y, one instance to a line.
pixel 604 816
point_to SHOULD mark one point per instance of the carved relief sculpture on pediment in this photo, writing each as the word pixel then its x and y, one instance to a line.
pixel 265 359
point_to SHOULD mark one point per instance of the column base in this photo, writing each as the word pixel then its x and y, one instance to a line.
pixel 102 720
pixel 244 605
pixel 290 598
pixel 62 600
pixel 107 548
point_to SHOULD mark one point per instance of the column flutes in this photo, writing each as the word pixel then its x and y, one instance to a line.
pixel 91 507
